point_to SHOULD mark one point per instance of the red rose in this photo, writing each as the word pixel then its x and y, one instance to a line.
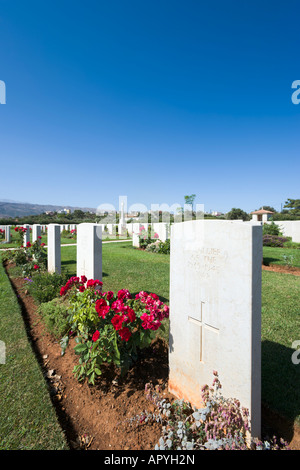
pixel 130 313
pixel 81 288
pixel 101 307
pixel 109 295
pixel 117 321
pixel 124 294
pixel 63 290
pixel 35 267
pixel 154 296
pixel 96 336
pixel 125 333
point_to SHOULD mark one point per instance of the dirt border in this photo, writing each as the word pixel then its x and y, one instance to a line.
pixel 279 268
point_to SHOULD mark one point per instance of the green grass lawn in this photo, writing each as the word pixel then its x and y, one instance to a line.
pixel 125 267
pixel 14 241
pixel 280 328
pixel 64 240
pixel 27 418
pixel 284 256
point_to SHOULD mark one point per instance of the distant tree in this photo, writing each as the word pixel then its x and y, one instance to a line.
pixel 78 214
pixel 189 200
pixel 236 214
pixel 293 205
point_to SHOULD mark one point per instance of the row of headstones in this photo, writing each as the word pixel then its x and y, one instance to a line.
pixel 215 305
pixel 89 246
pixel 36 229
pixel 89 250
pixel 131 229
pixel 156 231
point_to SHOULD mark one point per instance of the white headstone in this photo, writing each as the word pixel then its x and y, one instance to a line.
pixel 111 229
pixel 7 233
pixel 215 311
pixel 36 232
pixel 53 248
pixel 161 229
pixel 135 234
pixel 26 236
pixel 89 251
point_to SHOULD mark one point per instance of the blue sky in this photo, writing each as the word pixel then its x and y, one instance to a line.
pixel 150 100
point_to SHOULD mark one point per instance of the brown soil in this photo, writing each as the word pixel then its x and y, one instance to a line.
pixel 282 269
pixel 100 417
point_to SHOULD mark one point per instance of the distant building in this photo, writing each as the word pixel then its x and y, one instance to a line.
pixel 261 215
pixel 216 213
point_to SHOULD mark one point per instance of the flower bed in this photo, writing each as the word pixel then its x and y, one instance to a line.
pixel 274 240
pixel 109 327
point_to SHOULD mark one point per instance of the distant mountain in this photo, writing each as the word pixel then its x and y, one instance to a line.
pixel 20 209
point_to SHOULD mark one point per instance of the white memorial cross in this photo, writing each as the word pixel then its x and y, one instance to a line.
pixel 203 325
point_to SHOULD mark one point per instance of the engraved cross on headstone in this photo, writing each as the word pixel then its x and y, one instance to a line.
pixel 203 326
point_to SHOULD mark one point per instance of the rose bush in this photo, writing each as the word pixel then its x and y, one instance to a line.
pixel 109 327
pixel 146 237
pixel 31 258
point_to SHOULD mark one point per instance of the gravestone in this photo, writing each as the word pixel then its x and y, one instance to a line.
pixel 215 311
pixel 26 235
pixel 161 229
pixel 136 228
pixel 36 232
pixel 89 251
pixel 7 233
pixel 53 248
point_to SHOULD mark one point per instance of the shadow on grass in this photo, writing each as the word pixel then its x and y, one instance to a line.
pixel 280 388
pixel 267 261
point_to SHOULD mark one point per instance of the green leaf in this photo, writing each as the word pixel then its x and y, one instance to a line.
pixel 80 348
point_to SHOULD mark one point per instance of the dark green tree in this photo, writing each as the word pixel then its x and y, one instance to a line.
pixel 293 205
pixel 236 214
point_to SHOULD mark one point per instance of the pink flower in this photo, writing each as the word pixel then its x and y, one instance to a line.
pixel 129 314
pixel 117 306
pixel 146 320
